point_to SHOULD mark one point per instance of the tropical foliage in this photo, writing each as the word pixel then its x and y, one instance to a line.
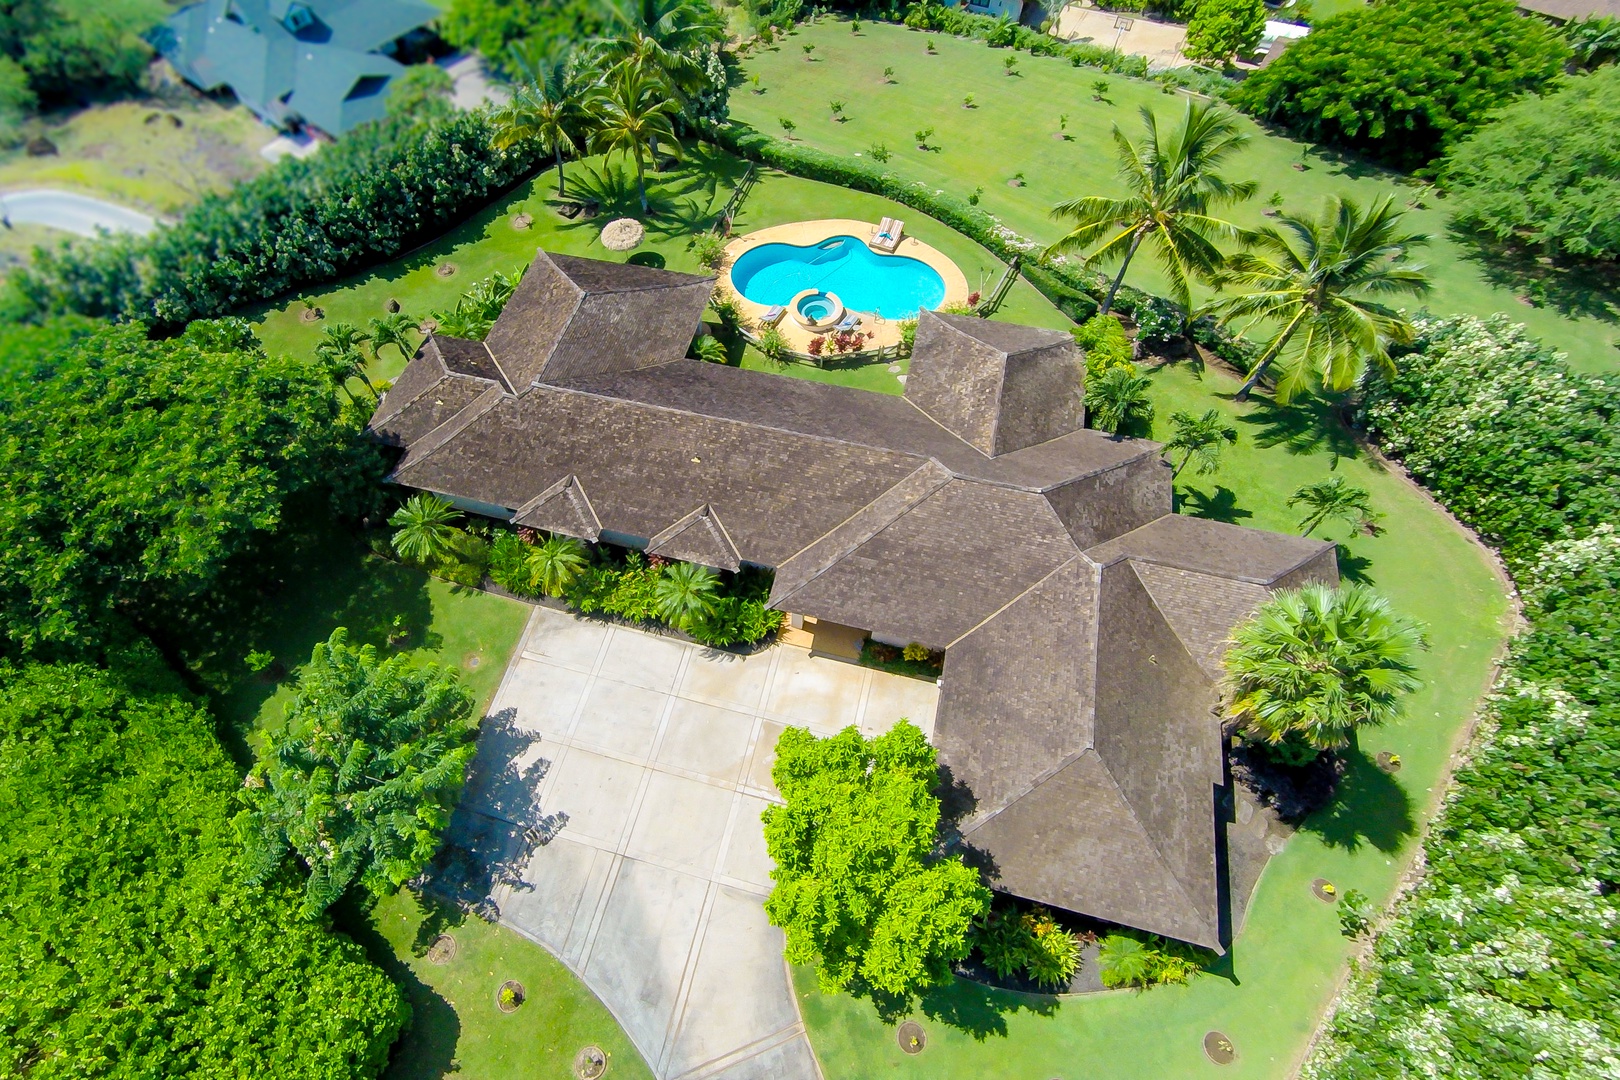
pixel 549 109
pixel 1175 193
pixel 379 191
pixel 425 529
pixel 1105 343
pixel 1012 941
pixel 1317 663
pixel 556 563
pixel 1141 960
pixel 1545 172
pixel 859 890
pixel 1404 80
pixel 1119 399
pixel 633 112
pixel 134 948
pixel 1321 282
pixel 1200 439
pixel 134 469
pixel 361 783
pixel 1221 30
pixel 1333 499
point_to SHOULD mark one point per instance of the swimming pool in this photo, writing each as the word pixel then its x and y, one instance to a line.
pixel 893 286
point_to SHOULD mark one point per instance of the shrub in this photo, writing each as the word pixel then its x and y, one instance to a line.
pixel 710 250
pixel 1105 343
pixel 879 152
pixel 381 190
pixel 1141 961
pixel 1158 320
pixel 772 345
pixel 914 651
pixel 1220 30
pixel 1355 913
pixel 908 336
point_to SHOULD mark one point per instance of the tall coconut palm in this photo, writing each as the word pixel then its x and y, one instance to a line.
pixel 1320 281
pixel 556 563
pixel 632 111
pixel 339 351
pixel 1330 499
pixel 1174 193
pixel 425 529
pixel 1317 663
pixel 549 108
pixel 1201 438
pixel 662 39
pixel 685 593
pixel 395 330
pixel 1118 398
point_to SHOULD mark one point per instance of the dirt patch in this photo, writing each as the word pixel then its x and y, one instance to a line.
pixel 442 951
pixel 590 1063
pixel 1219 1049
pixel 911 1037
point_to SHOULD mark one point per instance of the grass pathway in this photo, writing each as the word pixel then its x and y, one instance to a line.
pixel 1014 129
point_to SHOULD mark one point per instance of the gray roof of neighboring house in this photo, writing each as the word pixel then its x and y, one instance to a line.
pixel 1567 10
pixel 328 74
pixel 1082 620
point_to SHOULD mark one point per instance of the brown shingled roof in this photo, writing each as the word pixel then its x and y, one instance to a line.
pixel 1083 622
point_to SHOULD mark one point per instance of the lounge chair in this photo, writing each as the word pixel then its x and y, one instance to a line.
pixel 849 322
pixel 890 232
pixel 773 315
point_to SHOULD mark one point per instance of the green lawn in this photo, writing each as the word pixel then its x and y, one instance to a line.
pixel 457 1027
pixel 1287 961
pixel 1014 129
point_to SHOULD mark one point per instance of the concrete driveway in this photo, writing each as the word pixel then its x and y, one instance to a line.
pixel 637 767
pixel 72 213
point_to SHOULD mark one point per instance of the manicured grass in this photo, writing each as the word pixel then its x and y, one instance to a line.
pixel 1285 963
pixel 457 1027
pixel 1014 128
pixel 1288 959
pixel 131 152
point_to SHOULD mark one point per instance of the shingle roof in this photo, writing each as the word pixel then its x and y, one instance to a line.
pixel 1082 621
pixel 1566 10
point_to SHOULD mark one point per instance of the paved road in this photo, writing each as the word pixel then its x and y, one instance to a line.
pixel 644 764
pixel 72 213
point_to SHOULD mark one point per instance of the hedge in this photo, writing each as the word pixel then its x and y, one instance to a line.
pixel 383 190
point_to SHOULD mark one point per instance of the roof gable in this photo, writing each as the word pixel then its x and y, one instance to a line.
pixel 698 538
pixel 561 508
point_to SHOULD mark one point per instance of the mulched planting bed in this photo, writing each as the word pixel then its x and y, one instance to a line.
pixel 911 1037
pixel 1219 1049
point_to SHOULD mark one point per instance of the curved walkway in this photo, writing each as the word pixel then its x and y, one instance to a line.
pixel 638 766
pixel 72 213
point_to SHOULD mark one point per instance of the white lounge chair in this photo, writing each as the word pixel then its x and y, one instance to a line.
pixel 849 322
pixel 773 315
pixel 889 234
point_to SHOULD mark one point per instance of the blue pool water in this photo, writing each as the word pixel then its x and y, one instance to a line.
pixel 893 286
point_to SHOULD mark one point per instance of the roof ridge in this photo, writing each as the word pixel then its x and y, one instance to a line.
pixel 703 516
pixel 439 437
pixel 1078 554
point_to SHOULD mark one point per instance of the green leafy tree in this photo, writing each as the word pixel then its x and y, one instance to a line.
pixel 859 890
pixel 1199 438
pixel 685 593
pixel 135 947
pixel 1595 40
pixel 396 330
pixel 633 111
pixel 1318 663
pixel 340 353
pixel 133 470
pixel 1118 399
pixel 665 42
pixel 1175 192
pixel 1405 79
pixel 1333 499
pixel 361 784
pixel 425 529
pixel 73 50
pixel 549 110
pixel 507 32
pixel 1220 30
pixel 1320 282
pixel 1545 171
pixel 556 563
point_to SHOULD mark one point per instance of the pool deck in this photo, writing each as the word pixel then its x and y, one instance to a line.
pixel 886 332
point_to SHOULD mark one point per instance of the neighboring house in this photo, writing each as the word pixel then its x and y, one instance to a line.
pixel 1082 621
pixel 324 64
pixel 1013 9
pixel 1562 11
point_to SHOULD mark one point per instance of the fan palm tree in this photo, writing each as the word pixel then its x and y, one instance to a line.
pixel 1332 498
pixel 395 330
pixel 425 529
pixel 633 110
pixel 548 109
pixel 1174 193
pixel 1319 280
pixel 1117 398
pixel 339 351
pixel 1200 437
pixel 685 593
pixel 556 563
pixel 1317 663
pixel 1124 961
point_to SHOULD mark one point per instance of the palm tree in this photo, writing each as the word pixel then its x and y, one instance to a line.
pixel 339 351
pixel 1332 498
pixel 395 330
pixel 1317 663
pixel 1124 961
pixel 1117 398
pixel 1200 437
pixel 556 564
pixel 1318 279
pixel 1174 191
pixel 632 112
pixel 663 40
pixel 685 593
pixel 426 531
pixel 549 108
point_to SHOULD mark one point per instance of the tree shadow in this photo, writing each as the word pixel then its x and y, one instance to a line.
pixel 1219 505
pixel 427 1046
pixel 1573 289
pixel 1300 428
pixel 1370 807
pixel 972 1008
pixel 1353 567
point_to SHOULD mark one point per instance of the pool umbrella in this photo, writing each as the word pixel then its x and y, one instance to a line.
pixel 623 234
